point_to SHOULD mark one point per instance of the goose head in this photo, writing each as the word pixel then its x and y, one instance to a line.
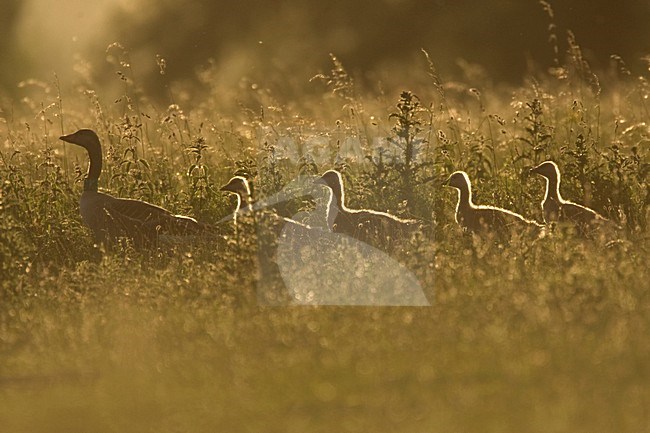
pixel 85 138
pixel 548 169
pixel 238 185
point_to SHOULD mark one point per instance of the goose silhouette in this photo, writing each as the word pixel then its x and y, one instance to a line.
pixel 110 218
pixel 482 218
pixel 320 267
pixel 379 229
pixel 557 209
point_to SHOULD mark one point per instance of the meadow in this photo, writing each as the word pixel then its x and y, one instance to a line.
pixel 530 335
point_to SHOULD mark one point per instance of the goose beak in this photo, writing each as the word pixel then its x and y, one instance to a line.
pixel 66 138
pixel 446 182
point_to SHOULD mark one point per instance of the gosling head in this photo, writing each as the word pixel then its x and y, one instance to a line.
pixel 330 178
pixel 548 169
pixel 85 138
pixel 238 185
pixel 458 180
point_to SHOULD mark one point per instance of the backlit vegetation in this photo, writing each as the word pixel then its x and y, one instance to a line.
pixel 539 335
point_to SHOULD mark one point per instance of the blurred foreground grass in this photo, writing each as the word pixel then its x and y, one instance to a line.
pixel 523 350
pixel 546 336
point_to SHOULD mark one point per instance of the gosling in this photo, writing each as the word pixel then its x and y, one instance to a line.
pixel 557 209
pixel 379 229
pixel 481 218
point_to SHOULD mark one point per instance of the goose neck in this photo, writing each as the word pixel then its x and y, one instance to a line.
pixel 95 166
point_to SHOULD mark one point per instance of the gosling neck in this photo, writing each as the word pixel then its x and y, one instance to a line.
pixel 335 204
pixel 464 197
pixel 244 202
pixel 553 187
pixel 332 211
pixel 338 196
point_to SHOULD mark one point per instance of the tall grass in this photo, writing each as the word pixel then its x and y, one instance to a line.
pixel 534 335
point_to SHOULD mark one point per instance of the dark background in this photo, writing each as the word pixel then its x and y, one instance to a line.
pixel 507 38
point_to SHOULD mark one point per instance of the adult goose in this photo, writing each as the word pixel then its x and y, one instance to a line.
pixel 111 218
pixel 482 218
pixel 557 209
pixel 376 228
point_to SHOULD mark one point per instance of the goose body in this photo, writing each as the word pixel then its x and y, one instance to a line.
pixel 111 218
pixel 556 208
pixel 481 218
pixel 370 226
